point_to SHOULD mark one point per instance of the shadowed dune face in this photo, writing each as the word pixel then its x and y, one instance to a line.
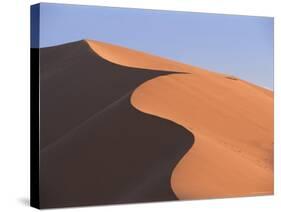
pixel 120 156
pixel 96 148
pixel 232 121
pixel 73 78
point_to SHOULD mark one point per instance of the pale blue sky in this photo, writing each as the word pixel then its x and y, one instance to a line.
pixel 236 45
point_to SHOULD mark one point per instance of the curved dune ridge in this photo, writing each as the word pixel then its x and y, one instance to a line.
pixel 95 147
pixel 231 119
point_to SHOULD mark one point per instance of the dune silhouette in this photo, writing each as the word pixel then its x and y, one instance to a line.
pixel 123 126
pixel 96 148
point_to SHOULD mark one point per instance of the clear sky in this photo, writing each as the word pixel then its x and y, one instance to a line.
pixel 236 45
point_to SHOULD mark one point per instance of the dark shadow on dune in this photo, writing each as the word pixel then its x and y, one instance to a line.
pixel 96 148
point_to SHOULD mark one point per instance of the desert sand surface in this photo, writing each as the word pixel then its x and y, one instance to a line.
pixel 132 58
pixel 231 120
pixel 95 147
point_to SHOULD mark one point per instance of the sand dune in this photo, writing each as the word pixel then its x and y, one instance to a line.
pixel 122 126
pixel 231 119
pixel 96 148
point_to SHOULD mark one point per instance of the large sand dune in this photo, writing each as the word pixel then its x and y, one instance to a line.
pixel 122 126
pixel 96 148
pixel 231 119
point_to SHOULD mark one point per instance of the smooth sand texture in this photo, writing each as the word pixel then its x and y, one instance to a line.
pixel 131 58
pixel 231 119
pixel 96 148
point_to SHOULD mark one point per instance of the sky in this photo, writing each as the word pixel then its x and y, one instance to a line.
pixel 236 45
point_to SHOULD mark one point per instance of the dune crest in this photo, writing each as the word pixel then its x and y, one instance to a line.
pixel 231 119
pixel 132 58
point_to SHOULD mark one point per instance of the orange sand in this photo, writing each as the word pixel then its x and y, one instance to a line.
pixel 231 119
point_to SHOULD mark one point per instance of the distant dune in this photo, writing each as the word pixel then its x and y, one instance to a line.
pixel 123 126
pixel 231 119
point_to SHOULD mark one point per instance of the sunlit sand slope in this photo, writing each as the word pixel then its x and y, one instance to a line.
pixel 231 119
